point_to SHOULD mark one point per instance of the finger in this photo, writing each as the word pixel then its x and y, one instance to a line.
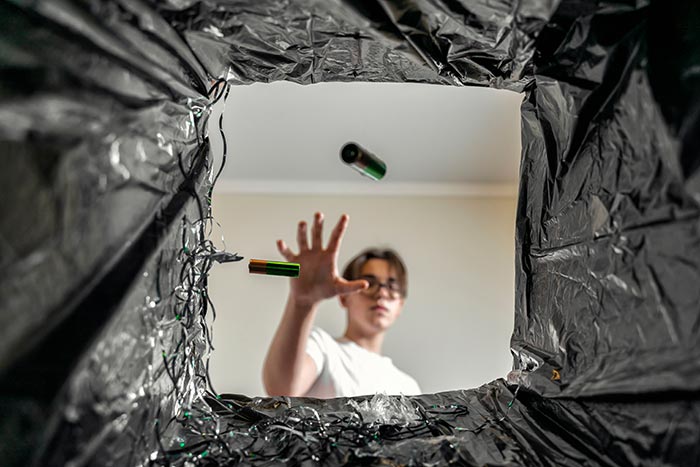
pixel 317 232
pixel 337 234
pixel 302 237
pixel 346 287
pixel 284 250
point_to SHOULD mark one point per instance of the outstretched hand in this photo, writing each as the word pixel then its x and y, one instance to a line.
pixel 318 278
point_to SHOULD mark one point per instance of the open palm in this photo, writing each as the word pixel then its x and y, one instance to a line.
pixel 318 278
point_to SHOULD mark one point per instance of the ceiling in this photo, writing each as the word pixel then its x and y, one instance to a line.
pixel 284 137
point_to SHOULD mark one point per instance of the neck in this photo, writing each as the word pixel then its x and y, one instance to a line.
pixel 372 342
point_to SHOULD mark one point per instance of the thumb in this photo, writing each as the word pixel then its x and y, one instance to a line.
pixel 344 287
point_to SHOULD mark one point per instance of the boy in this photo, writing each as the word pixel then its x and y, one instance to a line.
pixel 308 362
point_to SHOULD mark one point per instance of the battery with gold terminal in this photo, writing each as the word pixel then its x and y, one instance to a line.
pixel 273 268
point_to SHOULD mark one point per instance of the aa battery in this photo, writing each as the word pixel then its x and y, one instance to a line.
pixel 273 268
pixel 363 161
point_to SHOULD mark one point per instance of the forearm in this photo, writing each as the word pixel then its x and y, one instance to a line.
pixel 286 370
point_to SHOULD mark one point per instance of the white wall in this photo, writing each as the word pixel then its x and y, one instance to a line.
pixel 455 329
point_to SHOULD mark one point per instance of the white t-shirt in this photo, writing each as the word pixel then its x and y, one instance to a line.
pixel 344 369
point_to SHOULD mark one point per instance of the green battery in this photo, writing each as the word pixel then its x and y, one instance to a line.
pixel 363 161
pixel 273 268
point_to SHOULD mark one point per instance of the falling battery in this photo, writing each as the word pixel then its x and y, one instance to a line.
pixel 363 161
pixel 273 268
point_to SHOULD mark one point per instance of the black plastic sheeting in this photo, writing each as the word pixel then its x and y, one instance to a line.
pixel 485 43
pixel 608 217
pixel 104 246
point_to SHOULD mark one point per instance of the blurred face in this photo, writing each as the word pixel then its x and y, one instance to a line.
pixel 373 311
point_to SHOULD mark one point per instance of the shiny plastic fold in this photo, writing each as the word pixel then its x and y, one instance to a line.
pixel 105 323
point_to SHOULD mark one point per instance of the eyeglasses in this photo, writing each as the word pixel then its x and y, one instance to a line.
pixel 375 286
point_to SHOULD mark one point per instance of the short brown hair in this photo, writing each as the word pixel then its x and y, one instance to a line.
pixel 353 268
